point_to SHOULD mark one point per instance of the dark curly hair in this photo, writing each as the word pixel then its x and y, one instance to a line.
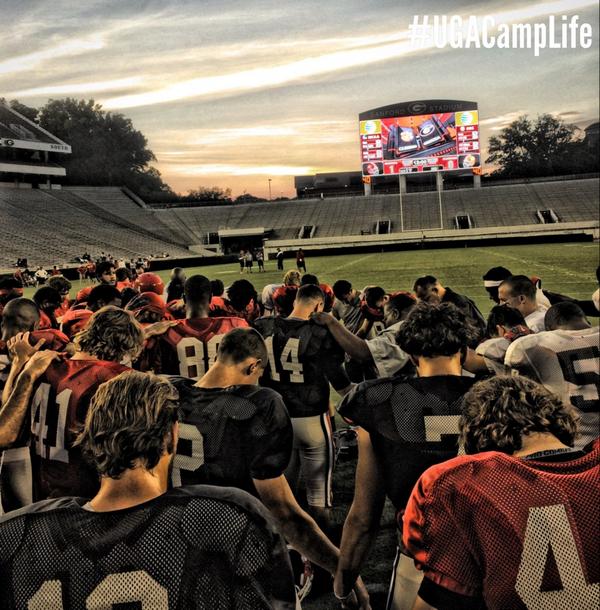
pixel 129 423
pixel 499 411
pixel 111 334
pixel 240 293
pixel 432 330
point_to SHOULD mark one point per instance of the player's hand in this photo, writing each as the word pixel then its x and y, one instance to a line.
pixel 159 328
pixel 322 318
pixel 38 363
pixel 19 348
pixel 362 595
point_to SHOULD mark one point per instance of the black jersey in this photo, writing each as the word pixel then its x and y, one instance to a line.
pixel 413 424
pixel 229 436
pixel 304 359
pixel 191 548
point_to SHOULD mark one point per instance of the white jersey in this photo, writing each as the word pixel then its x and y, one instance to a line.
pixel 567 362
pixel 493 352
pixel 535 320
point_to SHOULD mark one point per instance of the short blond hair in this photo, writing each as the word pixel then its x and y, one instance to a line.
pixel 292 278
pixel 111 334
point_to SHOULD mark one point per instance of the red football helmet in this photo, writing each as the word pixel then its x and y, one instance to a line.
pixel 149 282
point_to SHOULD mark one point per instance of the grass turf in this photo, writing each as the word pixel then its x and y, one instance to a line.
pixel 567 268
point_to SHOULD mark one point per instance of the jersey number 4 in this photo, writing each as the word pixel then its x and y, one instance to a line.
pixel 289 360
pixel 548 530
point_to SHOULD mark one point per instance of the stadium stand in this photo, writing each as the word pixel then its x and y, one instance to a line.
pixel 107 219
pixel 49 227
pixel 493 206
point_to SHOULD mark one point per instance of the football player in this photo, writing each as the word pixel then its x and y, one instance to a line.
pixel 515 526
pixel 149 282
pixel 240 301
pixel 566 359
pixel 136 543
pixel 59 401
pixel 406 426
pixel 106 273
pixel 21 316
pixel 429 289
pixel 382 352
pixel 303 360
pixel 235 433
pixel 291 278
pixel 504 325
pixel 48 301
pixel 347 308
pixel 519 292
pixel 188 347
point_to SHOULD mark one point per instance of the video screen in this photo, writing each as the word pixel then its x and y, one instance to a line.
pixel 421 143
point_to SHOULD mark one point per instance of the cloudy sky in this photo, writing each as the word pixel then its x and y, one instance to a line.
pixel 234 93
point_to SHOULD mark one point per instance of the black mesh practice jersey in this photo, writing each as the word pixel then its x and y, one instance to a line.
pixel 413 424
pixel 303 359
pixel 195 548
pixel 229 436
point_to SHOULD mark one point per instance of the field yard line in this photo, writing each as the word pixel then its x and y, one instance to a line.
pixel 358 260
pixel 583 276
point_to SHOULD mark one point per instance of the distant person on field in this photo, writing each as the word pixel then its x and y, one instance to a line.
pixel 260 259
pixel 301 260
pixel 279 257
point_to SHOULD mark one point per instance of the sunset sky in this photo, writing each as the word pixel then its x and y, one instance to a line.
pixel 234 93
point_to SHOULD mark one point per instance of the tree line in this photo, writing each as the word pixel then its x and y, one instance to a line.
pixel 108 151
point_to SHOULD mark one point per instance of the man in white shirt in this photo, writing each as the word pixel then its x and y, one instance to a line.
pixel 382 352
pixel 519 292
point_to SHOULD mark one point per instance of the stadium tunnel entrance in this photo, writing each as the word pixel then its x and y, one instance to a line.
pixel 234 240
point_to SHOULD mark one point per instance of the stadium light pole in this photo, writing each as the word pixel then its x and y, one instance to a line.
pixel 440 184
pixel 401 210
pixel 269 189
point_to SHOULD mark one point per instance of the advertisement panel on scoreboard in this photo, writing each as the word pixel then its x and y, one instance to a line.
pixel 444 141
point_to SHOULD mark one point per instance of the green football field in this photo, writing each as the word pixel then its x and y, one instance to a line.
pixel 568 268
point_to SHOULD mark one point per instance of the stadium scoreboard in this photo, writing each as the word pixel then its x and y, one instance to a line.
pixel 419 137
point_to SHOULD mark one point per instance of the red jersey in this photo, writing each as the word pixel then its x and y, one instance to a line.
pixel 507 532
pixel 62 309
pixel 58 410
pixel 220 307
pixel 74 321
pixel 283 299
pixel 187 349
